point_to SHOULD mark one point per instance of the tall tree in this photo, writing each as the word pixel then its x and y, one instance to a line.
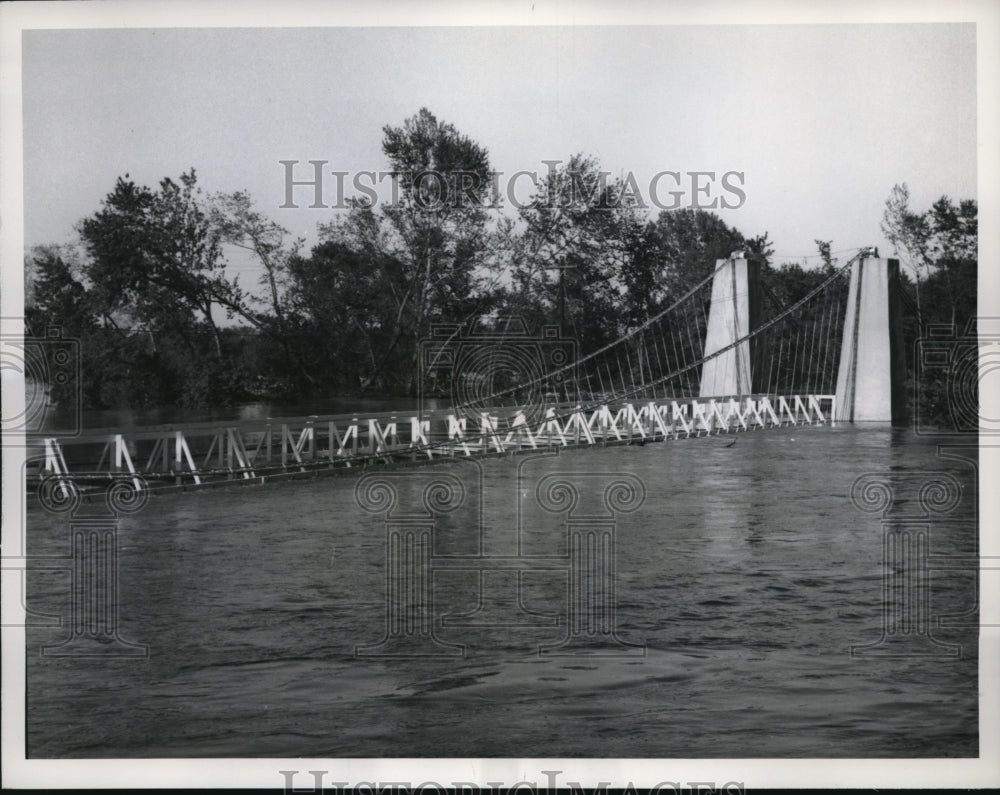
pixel 155 256
pixel 691 241
pixel 430 246
pixel 238 222
pixel 155 265
pixel 343 300
pixel 577 241
pixel 908 232
pixel 939 244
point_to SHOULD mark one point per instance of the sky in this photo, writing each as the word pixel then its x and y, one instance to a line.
pixel 822 120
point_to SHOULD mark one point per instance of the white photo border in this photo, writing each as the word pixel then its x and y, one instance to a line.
pixel 752 773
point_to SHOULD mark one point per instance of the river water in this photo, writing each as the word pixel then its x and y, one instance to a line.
pixel 742 581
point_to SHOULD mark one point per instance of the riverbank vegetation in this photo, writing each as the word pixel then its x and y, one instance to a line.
pixel 150 293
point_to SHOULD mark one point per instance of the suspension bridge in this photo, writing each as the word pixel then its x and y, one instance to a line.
pixel 727 356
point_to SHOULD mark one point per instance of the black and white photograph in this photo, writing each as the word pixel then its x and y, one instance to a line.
pixel 414 396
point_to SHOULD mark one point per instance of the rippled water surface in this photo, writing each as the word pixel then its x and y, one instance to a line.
pixel 742 582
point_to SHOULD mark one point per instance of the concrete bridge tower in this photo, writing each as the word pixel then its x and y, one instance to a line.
pixel 733 313
pixel 871 379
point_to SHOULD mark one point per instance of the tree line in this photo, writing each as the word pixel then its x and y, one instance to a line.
pixel 161 320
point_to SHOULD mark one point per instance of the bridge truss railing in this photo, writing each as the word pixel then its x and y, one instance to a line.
pixel 199 454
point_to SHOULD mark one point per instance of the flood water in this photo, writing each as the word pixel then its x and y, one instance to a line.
pixel 742 581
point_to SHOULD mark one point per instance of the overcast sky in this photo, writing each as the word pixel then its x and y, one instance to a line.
pixel 821 119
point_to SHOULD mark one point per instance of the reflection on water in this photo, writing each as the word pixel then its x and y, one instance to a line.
pixel 747 574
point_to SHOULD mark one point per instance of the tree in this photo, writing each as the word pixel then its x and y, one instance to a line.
pixel 155 266
pixel 825 255
pixel 155 254
pixel 691 242
pixel 429 249
pixel 343 300
pixel 953 250
pixel 116 367
pixel 54 295
pixel 941 247
pixel 759 249
pixel 940 244
pixel 575 245
pixel 238 223
pixel 908 232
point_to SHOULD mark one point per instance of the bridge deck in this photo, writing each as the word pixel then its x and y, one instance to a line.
pixel 211 453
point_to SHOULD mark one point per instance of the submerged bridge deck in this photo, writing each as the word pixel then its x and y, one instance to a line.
pixel 215 453
pixel 831 355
